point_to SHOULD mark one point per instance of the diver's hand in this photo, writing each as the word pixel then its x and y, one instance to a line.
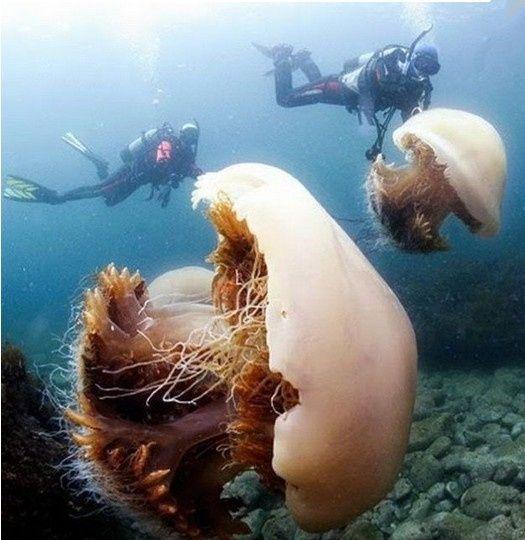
pixel 372 153
pixel 151 193
pixel 164 195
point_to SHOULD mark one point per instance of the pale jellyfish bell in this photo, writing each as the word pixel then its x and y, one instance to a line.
pixel 456 165
pixel 302 366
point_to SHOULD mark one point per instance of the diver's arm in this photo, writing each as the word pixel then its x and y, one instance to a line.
pixel 195 172
pixel 425 100
pixel 421 104
pixel 406 112
pixel 367 107
pixel 415 105
pixel 164 195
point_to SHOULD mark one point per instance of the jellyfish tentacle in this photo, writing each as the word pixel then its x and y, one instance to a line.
pixel 136 443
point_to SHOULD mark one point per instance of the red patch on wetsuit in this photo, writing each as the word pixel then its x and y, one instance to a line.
pixel 163 151
pixel 332 89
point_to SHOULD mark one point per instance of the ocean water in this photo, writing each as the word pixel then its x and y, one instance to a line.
pixel 107 71
pixel 97 73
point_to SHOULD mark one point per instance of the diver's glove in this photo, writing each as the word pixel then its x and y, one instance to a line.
pixel 373 152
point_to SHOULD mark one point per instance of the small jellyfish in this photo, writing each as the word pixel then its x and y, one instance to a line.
pixel 457 165
pixel 295 359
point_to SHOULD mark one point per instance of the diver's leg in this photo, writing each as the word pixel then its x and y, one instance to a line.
pixel 82 192
pixel 328 90
pixel 24 190
pixel 100 163
pixel 311 71
pixel 283 80
pixel 120 186
pixel 287 96
pixel 115 189
pixel 318 90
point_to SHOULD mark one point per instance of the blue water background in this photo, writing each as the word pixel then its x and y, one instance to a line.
pixel 97 72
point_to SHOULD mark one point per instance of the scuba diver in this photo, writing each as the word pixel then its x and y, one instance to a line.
pixel 158 157
pixel 393 78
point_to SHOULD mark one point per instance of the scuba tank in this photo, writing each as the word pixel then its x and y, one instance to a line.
pixel 147 141
pixel 382 63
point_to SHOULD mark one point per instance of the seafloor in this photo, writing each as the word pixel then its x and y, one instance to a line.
pixel 463 476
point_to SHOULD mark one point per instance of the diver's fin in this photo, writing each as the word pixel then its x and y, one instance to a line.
pixel 23 190
pixel 100 163
pixel 266 51
pixel 75 142
pixel 278 53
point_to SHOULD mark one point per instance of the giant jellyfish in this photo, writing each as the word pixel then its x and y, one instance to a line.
pixel 295 359
pixel 457 165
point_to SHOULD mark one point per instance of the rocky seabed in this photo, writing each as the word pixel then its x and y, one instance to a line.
pixel 463 476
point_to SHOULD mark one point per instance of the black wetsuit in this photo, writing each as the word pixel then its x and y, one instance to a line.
pixel 380 85
pixel 144 170
pixel 319 89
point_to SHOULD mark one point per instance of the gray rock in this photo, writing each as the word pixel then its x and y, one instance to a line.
pixel 423 406
pixel 458 407
pixel 425 472
pixel 497 396
pixel 401 490
pixel 517 429
pixel 519 480
pixel 330 535
pixel 490 413
pixel 435 381
pixel 471 438
pixel 482 471
pixel 518 404
pixel 471 422
pixel 494 434
pixel 499 528
pixel 510 419
pixel 510 380
pixel 479 465
pixel 453 525
pixel 385 515
pixel 401 512
pixel 421 508
pixel 280 526
pixel 505 472
pixel 412 530
pixel 255 520
pixel 303 535
pixel 440 446
pixel 518 519
pixel 471 387
pixel 460 438
pixel 464 481
pixel 514 450
pixel 424 432
pixel 444 506
pixel 411 458
pixel 246 487
pixel 362 530
pixel 454 490
pixel 453 462
pixel 488 499
pixel 437 492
